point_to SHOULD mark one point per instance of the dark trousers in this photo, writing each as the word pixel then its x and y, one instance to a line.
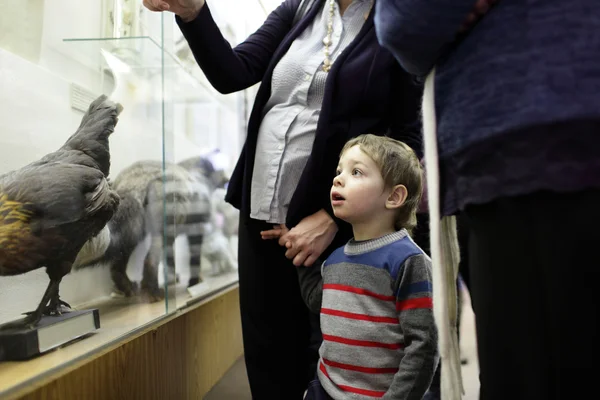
pixel 280 335
pixel 462 227
pixel 534 273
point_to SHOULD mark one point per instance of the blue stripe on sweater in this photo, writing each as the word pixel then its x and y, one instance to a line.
pixel 417 287
pixel 390 257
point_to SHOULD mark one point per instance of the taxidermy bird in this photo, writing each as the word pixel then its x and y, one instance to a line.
pixel 50 208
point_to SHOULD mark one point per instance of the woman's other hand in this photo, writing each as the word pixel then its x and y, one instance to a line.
pixel 308 240
pixel 187 10
pixel 275 233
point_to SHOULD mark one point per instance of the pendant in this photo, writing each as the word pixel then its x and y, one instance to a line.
pixel 327 41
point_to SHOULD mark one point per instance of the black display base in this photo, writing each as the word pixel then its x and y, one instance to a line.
pixel 51 332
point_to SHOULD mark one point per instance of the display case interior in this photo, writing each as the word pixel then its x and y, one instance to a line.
pixel 172 238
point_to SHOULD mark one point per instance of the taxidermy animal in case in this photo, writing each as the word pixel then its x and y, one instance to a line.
pixel 141 214
pixel 194 226
pixel 50 208
pixel 216 246
pixel 198 219
pixel 203 169
pixel 208 227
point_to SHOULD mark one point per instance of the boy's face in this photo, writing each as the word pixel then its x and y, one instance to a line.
pixel 358 194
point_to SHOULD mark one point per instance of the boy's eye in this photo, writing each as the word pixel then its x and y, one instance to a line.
pixel 338 171
pixel 356 172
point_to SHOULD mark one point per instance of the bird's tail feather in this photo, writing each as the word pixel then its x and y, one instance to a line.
pixel 96 126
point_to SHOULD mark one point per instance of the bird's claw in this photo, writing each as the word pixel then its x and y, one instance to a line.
pixel 61 307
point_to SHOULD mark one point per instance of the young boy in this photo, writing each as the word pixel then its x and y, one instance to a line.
pixel 374 294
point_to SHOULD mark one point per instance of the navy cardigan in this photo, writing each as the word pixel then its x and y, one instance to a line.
pixel 366 92
pixel 517 98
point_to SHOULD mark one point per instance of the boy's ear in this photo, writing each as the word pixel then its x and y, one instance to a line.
pixel 397 197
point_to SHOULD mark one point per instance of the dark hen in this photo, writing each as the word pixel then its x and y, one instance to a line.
pixel 50 208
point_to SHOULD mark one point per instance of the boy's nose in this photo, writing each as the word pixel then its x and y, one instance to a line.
pixel 337 181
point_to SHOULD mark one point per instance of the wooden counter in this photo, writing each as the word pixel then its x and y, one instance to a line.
pixel 173 356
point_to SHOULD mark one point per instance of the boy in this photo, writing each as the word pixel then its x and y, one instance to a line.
pixel 374 294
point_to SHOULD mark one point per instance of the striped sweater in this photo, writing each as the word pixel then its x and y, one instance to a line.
pixel 379 336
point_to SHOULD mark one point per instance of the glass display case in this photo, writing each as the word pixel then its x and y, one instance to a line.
pixel 171 240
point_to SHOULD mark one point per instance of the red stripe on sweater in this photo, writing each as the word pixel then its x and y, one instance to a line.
pixel 360 317
pixel 422 302
pixel 352 289
pixel 363 343
pixel 357 368
pixel 364 392
pixel 323 370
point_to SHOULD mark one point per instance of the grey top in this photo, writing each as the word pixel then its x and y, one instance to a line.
pixel 287 131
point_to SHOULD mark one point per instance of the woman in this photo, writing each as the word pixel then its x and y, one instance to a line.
pixel 518 122
pixel 324 80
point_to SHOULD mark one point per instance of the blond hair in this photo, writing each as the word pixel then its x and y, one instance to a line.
pixel 398 165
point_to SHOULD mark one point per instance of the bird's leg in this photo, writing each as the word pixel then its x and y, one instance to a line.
pixel 57 306
pixel 34 317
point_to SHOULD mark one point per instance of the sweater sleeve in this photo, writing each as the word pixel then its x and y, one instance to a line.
pixel 311 286
pixel 418 32
pixel 232 69
pixel 415 313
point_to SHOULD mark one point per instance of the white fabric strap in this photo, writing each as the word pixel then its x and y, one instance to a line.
pixel 445 256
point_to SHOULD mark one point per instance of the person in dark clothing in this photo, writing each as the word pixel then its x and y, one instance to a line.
pixel 324 79
pixel 512 105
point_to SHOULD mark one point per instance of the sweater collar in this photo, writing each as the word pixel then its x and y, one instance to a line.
pixel 354 247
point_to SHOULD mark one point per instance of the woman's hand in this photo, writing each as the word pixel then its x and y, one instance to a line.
pixel 277 232
pixel 187 10
pixel 306 241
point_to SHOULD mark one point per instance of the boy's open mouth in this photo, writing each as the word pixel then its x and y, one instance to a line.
pixel 337 197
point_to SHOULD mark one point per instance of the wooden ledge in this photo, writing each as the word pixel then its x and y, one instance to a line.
pixel 121 323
